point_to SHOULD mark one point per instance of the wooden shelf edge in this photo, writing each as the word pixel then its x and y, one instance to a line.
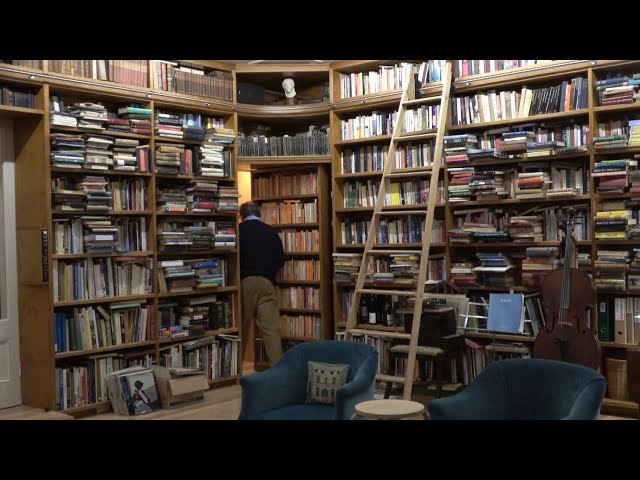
pixel 98 351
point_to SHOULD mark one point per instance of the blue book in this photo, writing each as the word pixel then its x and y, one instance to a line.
pixel 506 312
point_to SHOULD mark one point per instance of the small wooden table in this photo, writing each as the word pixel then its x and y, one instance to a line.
pixel 389 409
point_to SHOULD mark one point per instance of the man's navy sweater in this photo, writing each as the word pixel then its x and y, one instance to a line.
pixel 261 251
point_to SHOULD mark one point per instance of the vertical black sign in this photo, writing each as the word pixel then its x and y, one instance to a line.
pixel 45 256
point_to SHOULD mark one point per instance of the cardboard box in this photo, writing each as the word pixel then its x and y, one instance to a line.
pixel 179 390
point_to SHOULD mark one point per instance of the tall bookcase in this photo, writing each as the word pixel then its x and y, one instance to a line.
pixel 128 305
pixel 304 283
pixel 361 130
pixel 577 124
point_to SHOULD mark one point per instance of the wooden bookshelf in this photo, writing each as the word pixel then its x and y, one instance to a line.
pixel 316 190
pixel 36 213
pixel 350 107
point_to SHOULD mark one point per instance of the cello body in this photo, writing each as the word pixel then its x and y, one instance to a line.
pixel 567 293
pixel 574 343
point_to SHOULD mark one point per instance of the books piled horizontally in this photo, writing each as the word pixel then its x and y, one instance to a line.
pixel 346 266
pixel 618 89
pixel 67 150
pixel 497 269
pixel 456 147
pixel 459 190
pixel 539 262
pixel 611 267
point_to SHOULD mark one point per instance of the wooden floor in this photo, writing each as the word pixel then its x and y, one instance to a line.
pixel 27 413
pixel 219 404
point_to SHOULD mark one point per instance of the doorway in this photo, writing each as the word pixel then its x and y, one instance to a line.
pixel 10 387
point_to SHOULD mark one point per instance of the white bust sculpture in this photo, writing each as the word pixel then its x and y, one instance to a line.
pixel 289 87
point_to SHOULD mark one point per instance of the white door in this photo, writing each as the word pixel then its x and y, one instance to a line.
pixel 10 391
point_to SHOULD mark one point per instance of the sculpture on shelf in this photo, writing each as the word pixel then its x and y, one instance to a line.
pixel 289 92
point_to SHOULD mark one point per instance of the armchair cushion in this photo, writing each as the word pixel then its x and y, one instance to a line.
pixel 307 411
pixel 323 381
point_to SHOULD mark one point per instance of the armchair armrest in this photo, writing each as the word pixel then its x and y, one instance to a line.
pixel 484 399
pixel 357 390
pixel 588 401
pixel 281 385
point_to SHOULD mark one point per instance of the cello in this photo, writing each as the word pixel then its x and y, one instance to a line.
pixel 566 293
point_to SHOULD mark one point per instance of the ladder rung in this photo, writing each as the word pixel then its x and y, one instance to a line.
pixel 406 293
pixel 393 252
pixel 389 378
pixel 416 136
pixel 379 333
pixel 426 171
pixel 402 212
pixel 418 101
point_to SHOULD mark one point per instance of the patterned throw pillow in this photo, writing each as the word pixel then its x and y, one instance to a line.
pixel 324 380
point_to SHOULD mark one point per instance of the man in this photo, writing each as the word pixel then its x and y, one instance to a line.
pixel 261 256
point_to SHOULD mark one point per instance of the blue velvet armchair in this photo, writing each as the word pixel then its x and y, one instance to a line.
pixel 526 389
pixel 279 393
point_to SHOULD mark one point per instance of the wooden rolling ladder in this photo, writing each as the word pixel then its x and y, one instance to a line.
pixel 408 100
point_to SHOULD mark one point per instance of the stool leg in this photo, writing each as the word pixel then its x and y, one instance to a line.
pixel 421 369
pixel 387 390
pixel 391 371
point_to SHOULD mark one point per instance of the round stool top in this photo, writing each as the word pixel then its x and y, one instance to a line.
pixel 389 409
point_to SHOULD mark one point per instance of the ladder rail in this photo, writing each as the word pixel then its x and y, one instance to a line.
pixel 408 96
pixel 426 238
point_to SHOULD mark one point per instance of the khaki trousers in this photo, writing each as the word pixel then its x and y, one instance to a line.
pixel 260 301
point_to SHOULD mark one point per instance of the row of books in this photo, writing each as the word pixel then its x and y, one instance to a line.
pixel 130 72
pixel 289 211
pixel 201 196
pixel 17 97
pixel 83 381
pixel 181 234
pixel 280 185
pixel 206 160
pixel 465 68
pixel 98 193
pixel 99 152
pixel 396 269
pixel 79 235
pixel 88 328
pixel 494 106
pixel 384 78
pixel 217 356
pixel 528 141
pixel 173 77
pixel 91 278
pixel 299 297
pixel 193 315
pixel 300 240
pixel 368 126
pixel 285 146
pixel 533 225
pixel 299 270
pixel 307 326
pixel 370 158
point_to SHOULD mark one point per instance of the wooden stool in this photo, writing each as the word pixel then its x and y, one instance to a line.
pixel 389 409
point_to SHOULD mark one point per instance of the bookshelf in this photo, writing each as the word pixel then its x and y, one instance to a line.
pixel 121 279
pixel 304 190
pixel 366 96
